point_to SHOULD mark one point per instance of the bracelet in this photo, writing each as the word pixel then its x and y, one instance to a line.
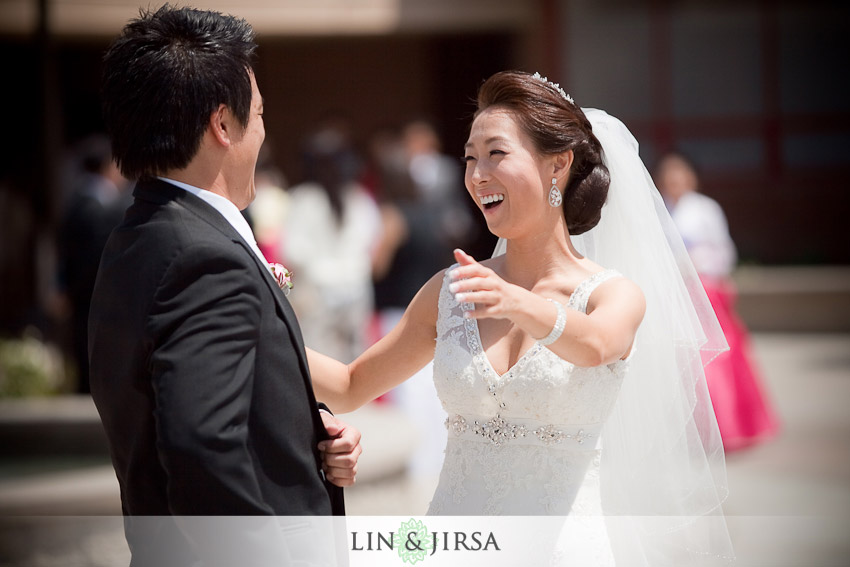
pixel 560 322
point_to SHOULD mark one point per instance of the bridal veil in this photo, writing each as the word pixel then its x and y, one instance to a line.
pixel 663 475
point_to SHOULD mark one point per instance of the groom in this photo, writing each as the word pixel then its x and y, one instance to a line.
pixel 198 367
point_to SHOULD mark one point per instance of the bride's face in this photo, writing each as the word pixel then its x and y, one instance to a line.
pixel 505 176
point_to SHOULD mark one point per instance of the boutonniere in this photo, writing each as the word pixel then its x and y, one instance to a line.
pixel 282 275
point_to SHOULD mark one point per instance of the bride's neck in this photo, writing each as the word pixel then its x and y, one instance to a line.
pixel 530 260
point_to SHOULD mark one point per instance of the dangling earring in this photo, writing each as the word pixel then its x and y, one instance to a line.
pixel 555 199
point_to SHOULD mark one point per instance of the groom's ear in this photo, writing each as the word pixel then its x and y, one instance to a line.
pixel 221 125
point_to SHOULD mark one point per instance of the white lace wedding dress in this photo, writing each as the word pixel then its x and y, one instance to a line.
pixel 526 442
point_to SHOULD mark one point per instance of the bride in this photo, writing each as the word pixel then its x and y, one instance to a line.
pixel 571 363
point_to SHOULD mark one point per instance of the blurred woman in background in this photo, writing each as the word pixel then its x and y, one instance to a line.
pixel 743 412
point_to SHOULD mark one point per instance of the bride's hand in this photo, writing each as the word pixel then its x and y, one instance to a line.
pixel 341 452
pixel 475 283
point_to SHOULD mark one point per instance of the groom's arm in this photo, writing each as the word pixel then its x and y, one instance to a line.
pixel 204 323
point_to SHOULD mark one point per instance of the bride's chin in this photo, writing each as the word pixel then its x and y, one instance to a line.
pixel 499 232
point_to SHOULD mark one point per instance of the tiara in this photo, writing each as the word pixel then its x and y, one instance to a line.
pixel 555 86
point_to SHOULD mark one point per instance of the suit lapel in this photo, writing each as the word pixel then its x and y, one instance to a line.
pixel 283 304
pixel 161 192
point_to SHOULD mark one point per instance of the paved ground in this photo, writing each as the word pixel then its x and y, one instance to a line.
pixel 789 503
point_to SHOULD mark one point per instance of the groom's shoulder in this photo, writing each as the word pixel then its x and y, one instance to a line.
pixel 163 212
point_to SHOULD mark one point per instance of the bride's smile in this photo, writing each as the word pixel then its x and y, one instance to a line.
pixel 491 201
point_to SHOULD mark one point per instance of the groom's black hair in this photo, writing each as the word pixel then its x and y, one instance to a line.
pixel 164 76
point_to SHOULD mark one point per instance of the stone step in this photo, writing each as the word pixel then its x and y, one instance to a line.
pixel 794 299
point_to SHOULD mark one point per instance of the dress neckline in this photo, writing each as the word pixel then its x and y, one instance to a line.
pixel 483 360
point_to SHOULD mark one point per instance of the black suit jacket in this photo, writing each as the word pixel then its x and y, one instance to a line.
pixel 198 369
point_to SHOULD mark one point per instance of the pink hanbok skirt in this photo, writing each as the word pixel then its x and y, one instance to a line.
pixel 744 413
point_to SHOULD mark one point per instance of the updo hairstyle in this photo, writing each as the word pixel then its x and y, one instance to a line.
pixel 555 125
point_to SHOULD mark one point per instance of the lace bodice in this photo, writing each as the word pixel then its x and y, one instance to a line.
pixel 525 442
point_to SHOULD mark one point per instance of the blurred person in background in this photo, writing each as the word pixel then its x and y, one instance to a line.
pixel 95 206
pixel 744 414
pixel 438 180
pixel 413 247
pixel 267 212
pixel 330 235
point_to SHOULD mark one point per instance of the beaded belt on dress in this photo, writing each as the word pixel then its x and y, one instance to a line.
pixel 498 431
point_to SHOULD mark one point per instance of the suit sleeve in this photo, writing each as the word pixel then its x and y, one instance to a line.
pixel 204 326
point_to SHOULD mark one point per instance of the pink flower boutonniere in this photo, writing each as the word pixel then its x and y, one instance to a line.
pixel 282 275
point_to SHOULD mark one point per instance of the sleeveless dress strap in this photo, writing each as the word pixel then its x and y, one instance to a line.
pixel 449 314
pixel 578 300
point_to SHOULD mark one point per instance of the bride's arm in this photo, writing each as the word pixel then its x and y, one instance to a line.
pixel 602 336
pixel 387 363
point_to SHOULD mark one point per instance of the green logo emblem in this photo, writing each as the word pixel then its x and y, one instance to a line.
pixel 413 541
